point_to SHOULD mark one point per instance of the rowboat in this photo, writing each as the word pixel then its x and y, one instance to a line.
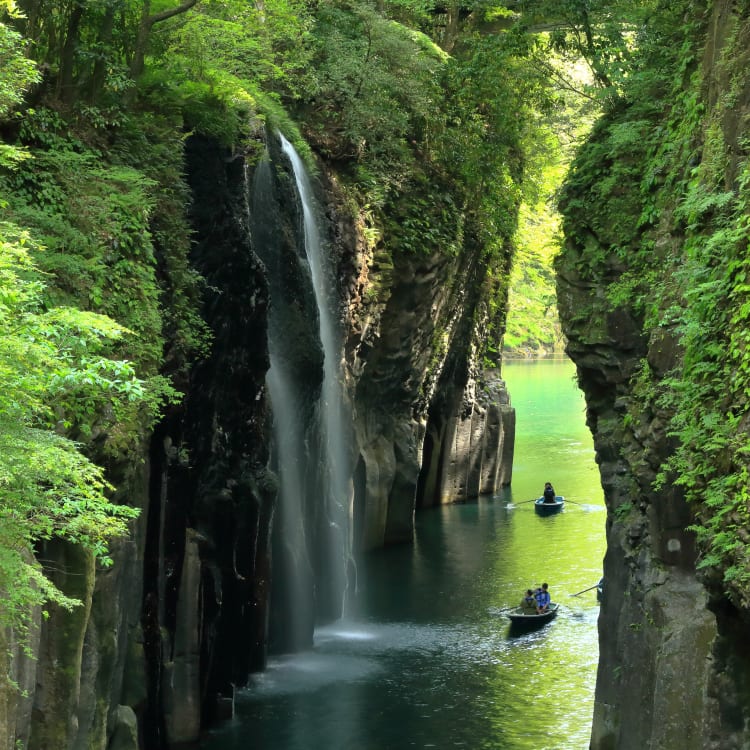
pixel 519 618
pixel 547 509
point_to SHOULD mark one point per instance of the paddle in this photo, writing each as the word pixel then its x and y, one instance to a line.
pixel 533 500
pixel 585 590
pixel 501 611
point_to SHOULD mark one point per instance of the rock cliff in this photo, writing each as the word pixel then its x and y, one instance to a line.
pixel 641 291
pixel 430 428
pixel 207 549
pixel 426 429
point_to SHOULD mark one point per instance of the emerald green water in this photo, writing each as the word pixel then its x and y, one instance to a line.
pixel 427 659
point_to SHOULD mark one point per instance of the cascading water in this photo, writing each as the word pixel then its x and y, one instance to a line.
pixel 335 425
pixel 310 450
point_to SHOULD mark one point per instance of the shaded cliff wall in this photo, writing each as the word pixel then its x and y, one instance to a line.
pixel 646 293
pixel 207 559
pixel 430 426
pixel 164 635
pixel 78 681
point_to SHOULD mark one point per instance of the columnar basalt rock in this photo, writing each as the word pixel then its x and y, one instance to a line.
pixel 654 611
pixel 207 559
pixel 423 435
pixel 477 455
pixel 19 662
pixel 673 666
pixel 78 670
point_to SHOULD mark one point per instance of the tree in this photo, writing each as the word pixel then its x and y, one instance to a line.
pixel 17 72
pixel 148 21
pixel 48 488
pixel 54 364
pixel 601 32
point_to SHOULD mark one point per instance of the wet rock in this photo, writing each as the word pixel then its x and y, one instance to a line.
pixel 124 729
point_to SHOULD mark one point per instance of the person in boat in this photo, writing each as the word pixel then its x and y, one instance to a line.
pixel 549 493
pixel 542 599
pixel 528 603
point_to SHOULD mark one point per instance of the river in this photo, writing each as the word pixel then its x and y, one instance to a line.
pixel 427 659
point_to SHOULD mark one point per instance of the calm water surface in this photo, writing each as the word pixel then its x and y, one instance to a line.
pixel 427 659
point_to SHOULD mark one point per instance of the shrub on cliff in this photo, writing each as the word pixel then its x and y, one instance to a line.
pixel 54 368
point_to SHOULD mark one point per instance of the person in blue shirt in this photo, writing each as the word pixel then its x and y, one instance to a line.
pixel 528 603
pixel 542 599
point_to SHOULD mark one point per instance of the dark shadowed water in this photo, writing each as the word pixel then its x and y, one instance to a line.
pixel 427 659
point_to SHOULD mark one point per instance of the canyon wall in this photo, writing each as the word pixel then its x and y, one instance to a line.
pixel 218 564
pixel 647 274
pixel 430 426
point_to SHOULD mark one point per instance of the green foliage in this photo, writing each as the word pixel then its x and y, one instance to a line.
pixel 102 225
pixel 665 155
pixel 221 66
pixel 604 33
pixel 152 147
pixel 54 365
pixel 623 510
pixel 94 222
pixel 488 127
pixel 533 326
pixel 710 395
pixel 373 89
pixel 444 151
pixel 18 71
pixel 264 46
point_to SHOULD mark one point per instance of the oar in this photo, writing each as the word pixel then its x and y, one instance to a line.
pixel 585 590
pixel 533 499
pixel 498 612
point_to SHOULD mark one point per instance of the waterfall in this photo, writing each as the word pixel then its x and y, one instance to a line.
pixel 311 427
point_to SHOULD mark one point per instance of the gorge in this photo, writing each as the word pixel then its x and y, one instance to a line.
pixel 309 332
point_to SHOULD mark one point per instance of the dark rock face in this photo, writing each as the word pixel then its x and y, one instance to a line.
pixel 87 661
pixel 207 568
pixel 16 702
pixel 468 445
pixel 425 432
pixel 165 635
pixel 655 633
